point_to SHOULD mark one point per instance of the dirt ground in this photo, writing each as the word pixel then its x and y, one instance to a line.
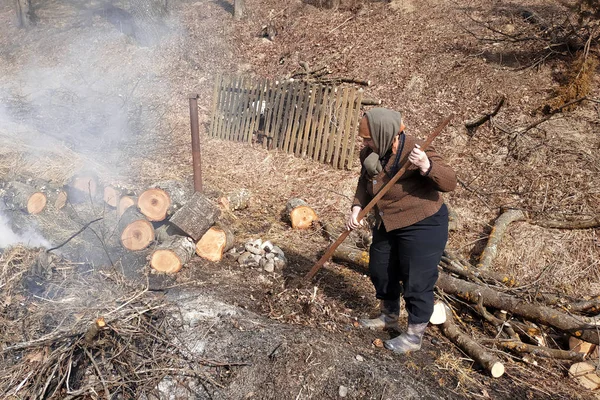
pixel 91 87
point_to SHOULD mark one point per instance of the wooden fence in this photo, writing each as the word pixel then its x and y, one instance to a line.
pixel 308 120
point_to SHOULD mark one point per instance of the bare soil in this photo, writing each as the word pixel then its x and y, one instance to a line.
pixel 88 87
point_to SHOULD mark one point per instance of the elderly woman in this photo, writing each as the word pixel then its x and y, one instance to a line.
pixel 411 227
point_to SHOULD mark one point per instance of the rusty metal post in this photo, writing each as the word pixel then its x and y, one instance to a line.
pixel 196 164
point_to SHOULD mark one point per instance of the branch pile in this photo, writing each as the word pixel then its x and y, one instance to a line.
pixel 70 332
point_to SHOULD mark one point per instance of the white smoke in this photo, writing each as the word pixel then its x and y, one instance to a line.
pixel 29 238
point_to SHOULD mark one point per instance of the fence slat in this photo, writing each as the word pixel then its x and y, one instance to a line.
pixel 347 133
pixel 334 123
pixel 250 110
pixel 308 120
pixel 288 118
pixel 278 137
pixel 322 119
pixel 258 109
pixel 314 121
pixel 341 122
pixel 213 107
pixel 228 106
pixel 299 119
pixel 245 110
pixel 271 91
pixel 221 106
pixel 353 129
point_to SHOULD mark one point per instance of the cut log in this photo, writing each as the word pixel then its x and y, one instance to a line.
pixel 300 214
pixel 124 203
pixel 165 231
pixel 579 327
pixel 491 249
pixel 585 374
pixel 473 349
pixel 173 254
pixel 216 241
pixel 154 204
pixel 135 231
pixel 580 346
pixel 236 200
pixel 196 216
pixel 112 195
pixel 21 196
pixel 163 199
pixel 58 198
pixel 82 188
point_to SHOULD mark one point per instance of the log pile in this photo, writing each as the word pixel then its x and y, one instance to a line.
pixel 166 225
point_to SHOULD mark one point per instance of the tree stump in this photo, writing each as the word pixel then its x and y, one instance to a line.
pixel 124 203
pixel 24 197
pixel 171 255
pixel 135 231
pixel 196 216
pixel 300 214
pixel 216 241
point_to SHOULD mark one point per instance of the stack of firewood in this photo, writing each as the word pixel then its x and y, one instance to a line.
pixel 167 219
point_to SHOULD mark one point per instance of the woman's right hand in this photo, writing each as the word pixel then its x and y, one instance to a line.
pixel 353 222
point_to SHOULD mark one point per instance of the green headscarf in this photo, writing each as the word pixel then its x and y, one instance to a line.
pixel 384 124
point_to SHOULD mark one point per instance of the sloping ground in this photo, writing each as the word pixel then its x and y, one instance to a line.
pixel 119 105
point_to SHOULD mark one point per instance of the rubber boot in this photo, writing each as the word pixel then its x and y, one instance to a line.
pixel 409 340
pixel 388 319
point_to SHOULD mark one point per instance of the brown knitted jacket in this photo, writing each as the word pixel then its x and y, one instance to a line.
pixel 413 197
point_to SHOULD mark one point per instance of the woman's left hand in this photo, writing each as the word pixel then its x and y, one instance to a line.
pixel 419 159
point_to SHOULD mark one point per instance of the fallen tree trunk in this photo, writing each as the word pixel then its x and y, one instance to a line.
pixel 471 292
pixel 473 349
pixel 21 196
pixel 300 214
pixel 491 249
pixel 196 216
pixel 135 231
pixel 216 241
pixel 173 254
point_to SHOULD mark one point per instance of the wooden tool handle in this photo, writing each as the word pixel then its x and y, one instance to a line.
pixel 374 201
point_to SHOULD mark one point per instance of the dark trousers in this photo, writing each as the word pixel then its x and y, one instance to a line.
pixel 404 262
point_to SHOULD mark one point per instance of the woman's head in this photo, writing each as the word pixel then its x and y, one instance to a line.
pixel 379 127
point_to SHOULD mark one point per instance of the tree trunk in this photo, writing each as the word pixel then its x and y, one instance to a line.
pixel 21 196
pixel 135 232
pixel 196 216
pixel 216 241
pixel 239 9
pixel 578 327
pixel 173 254
pixel 300 214
pixel 23 10
pixel 473 349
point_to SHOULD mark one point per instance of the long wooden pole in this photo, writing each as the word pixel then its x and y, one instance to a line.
pixel 374 201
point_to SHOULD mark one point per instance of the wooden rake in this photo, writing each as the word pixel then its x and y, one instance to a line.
pixel 374 201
